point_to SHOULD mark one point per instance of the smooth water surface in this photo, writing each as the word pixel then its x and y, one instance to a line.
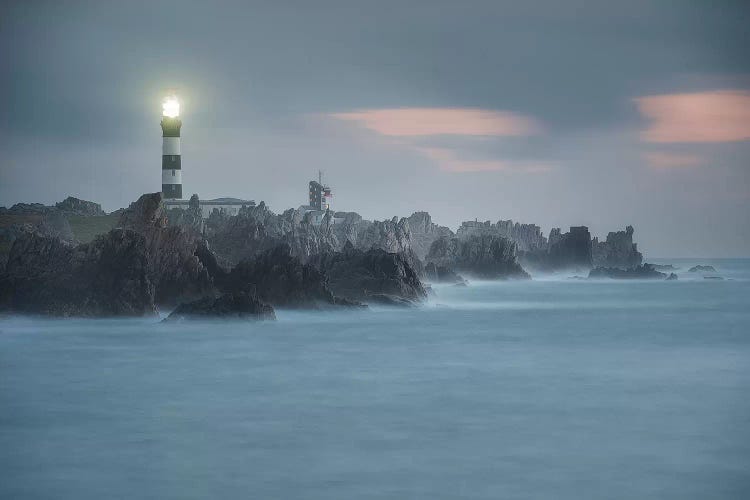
pixel 553 388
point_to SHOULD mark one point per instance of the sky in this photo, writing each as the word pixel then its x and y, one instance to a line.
pixel 555 112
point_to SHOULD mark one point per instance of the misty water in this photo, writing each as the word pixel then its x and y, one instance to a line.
pixel 553 388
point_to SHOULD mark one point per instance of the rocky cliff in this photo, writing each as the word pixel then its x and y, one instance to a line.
pixel 484 256
pixel 107 277
pixel 424 232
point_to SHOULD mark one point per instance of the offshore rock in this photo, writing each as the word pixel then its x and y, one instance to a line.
pixel 373 275
pixel 617 251
pixel 484 256
pixel 238 305
pixel 644 271
pixel 281 279
pixel 702 269
pixel 107 277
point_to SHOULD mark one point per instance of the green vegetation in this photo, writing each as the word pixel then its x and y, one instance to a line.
pixel 86 229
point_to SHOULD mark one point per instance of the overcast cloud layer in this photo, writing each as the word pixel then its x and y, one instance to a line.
pixel 553 112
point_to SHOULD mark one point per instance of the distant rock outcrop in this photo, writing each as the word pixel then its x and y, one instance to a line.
pixel 76 206
pixel 484 256
pixel 424 233
pixel 617 251
pixel 238 305
pixel 644 271
pixel 527 237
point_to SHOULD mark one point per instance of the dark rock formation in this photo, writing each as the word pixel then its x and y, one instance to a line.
pixel 644 271
pixel 75 206
pixel 238 305
pixel 617 251
pixel 672 277
pixel 173 265
pixel 569 250
pixel 107 277
pixel 484 256
pixel 702 269
pixel 256 229
pixel 440 274
pixel 717 278
pixel 371 276
pixel 280 279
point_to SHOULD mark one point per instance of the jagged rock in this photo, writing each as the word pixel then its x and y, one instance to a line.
pixel 280 279
pixel 617 251
pixel 423 232
pixel 528 237
pixel 484 256
pixel 238 305
pixel 107 277
pixel 371 276
pixel 75 206
pixel 644 271
pixel 190 218
pixel 256 229
pixel 702 269
pixel 441 274
pixel 173 265
pixel 672 277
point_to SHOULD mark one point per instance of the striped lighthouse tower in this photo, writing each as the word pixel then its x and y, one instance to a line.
pixel 171 168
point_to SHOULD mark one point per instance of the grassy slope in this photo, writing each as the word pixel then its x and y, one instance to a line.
pixel 86 229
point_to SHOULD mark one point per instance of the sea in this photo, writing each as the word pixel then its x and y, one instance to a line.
pixel 552 388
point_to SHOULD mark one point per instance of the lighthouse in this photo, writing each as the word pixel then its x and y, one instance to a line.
pixel 171 168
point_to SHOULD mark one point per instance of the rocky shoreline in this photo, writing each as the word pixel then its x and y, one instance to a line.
pixel 145 258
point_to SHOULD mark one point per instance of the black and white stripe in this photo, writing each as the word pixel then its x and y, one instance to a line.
pixel 171 168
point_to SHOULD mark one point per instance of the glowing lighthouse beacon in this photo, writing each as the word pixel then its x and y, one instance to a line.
pixel 171 168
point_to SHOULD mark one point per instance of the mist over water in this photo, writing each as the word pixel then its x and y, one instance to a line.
pixel 551 388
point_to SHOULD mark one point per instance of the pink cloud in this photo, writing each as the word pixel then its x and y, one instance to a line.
pixel 413 122
pixel 715 116
pixel 672 160
pixel 449 162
